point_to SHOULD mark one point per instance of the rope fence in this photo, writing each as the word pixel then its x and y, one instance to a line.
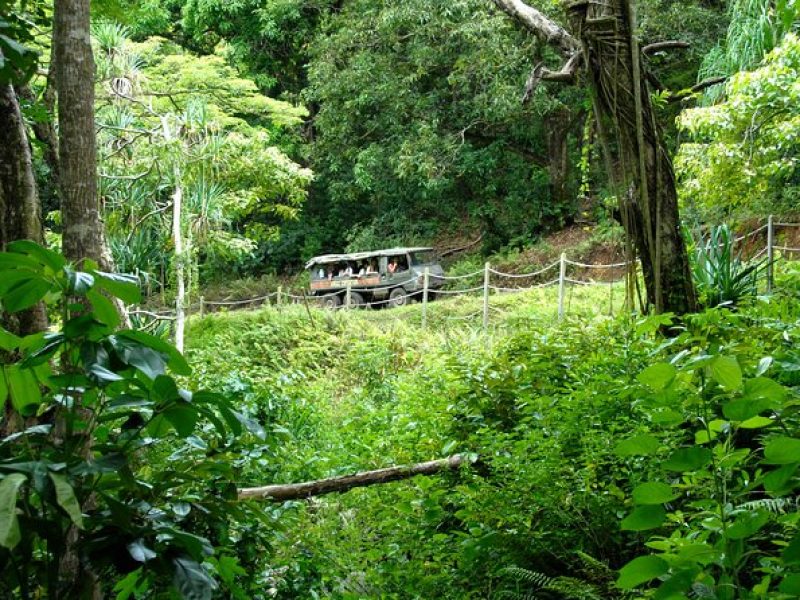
pixel 435 285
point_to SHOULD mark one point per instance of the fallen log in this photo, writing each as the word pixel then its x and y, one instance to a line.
pixel 296 491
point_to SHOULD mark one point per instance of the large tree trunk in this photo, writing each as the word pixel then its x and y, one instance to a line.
pixel 638 161
pixel 74 69
pixel 642 169
pixel 19 201
pixel 83 236
pixel 19 220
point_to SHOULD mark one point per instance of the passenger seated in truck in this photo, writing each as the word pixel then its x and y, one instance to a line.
pixel 392 268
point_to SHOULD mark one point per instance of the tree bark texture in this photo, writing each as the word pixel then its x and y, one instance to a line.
pixel 19 200
pixel 19 220
pixel 45 132
pixel 74 73
pixel 642 168
pixel 557 126
pixel 308 489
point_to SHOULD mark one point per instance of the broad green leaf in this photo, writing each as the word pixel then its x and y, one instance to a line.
pixel 658 376
pixel 641 570
pixel 763 388
pixel 14 260
pixel 791 554
pixel 702 436
pixel 643 518
pixel 678 583
pixel 26 294
pixel 176 360
pixel 790 585
pixel 638 445
pixel 165 389
pixel 122 285
pixel 9 341
pixel 688 459
pixel 726 372
pixel 139 552
pixel 23 388
pixel 743 409
pixel 65 496
pixel 756 423
pixel 102 374
pixel 192 581
pixel 746 524
pixel 127 586
pixel 103 309
pixel 9 525
pixel 653 492
pixel 666 416
pixel 183 418
pixel 778 482
pixel 50 345
pixel 79 282
pixel 45 257
pixel 782 451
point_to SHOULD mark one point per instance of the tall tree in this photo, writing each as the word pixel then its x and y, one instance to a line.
pixel 638 162
pixel 19 200
pixel 74 64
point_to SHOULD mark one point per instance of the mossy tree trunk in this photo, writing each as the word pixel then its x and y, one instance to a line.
pixel 605 46
pixel 642 170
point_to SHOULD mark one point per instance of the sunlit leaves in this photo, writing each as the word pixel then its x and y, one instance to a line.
pixel 744 149
pixel 9 524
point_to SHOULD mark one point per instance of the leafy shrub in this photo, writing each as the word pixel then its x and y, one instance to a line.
pixel 112 476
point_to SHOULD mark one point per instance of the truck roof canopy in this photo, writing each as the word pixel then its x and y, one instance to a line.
pixel 326 259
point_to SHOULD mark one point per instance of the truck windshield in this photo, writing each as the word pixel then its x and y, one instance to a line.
pixel 422 257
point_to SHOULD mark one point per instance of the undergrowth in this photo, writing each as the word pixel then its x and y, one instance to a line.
pixel 545 405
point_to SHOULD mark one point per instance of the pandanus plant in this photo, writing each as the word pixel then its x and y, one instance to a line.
pixel 720 272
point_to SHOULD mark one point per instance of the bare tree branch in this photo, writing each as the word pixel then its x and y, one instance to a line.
pixel 541 73
pixel 540 25
pixel 297 491
pixel 666 45
pixel 706 83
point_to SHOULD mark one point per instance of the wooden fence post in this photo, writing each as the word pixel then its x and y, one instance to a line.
pixel 202 306
pixel 278 299
pixel 770 257
pixel 348 302
pixel 486 297
pixel 425 278
pixel 562 276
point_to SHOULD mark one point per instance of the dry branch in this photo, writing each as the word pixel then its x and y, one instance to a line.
pixel 307 489
pixel 540 25
pixel 541 73
pixel 666 45
pixel 707 83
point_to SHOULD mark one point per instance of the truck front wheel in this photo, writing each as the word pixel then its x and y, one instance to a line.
pixel 331 301
pixel 398 297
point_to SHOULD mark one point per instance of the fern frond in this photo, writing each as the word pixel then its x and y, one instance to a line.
pixel 773 505
pixel 533 578
pixel 595 569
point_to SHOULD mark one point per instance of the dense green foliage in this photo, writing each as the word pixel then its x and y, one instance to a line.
pixel 749 142
pixel 106 461
pixel 575 425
